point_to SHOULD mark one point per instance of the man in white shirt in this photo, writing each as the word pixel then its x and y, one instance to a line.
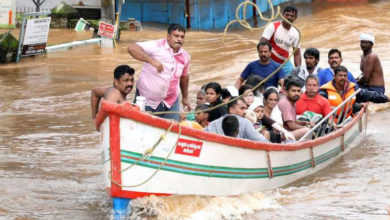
pixel 282 36
pixel 312 57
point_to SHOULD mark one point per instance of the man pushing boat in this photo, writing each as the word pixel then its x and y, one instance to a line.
pixel 123 84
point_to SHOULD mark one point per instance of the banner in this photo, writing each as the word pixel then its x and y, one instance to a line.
pixel 7 13
pixel 35 37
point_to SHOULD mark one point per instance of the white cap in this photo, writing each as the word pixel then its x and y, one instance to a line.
pixel 254 105
pixel 232 90
pixel 367 37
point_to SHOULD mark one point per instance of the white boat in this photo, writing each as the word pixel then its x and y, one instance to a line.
pixel 147 155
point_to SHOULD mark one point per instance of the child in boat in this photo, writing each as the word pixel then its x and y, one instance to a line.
pixel 213 96
pixel 255 114
pixel 269 128
pixel 202 117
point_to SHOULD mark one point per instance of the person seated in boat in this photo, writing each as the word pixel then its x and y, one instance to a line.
pixel 202 117
pixel 225 95
pixel 228 92
pixel 287 106
pixel 201 97
pixel 311 100
pixel 340 88
pixel 263 68
pixel 246 130
pixel 253 80
pixel 213 97
pixel 255 114
pixel 271 109
pixel 246 90
pixel 334 59
pixel 123 84
pixel 312 57
pixel 230 126
pixel 269 128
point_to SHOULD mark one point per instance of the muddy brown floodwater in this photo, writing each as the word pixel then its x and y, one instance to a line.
pixel 51 164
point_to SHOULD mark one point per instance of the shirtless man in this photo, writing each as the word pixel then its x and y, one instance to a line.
pixel 372 73
pixel 123 84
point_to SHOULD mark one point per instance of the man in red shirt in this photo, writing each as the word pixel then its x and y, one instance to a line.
pixel 311 100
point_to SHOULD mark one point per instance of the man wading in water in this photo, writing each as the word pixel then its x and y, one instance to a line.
pixel 123 84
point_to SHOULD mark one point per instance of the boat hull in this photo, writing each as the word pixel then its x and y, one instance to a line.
pixel 193 162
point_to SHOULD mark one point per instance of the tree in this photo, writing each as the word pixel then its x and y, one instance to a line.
pixel 38 4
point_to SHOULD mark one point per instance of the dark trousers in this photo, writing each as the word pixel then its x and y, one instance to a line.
pixel 371 96
pixel 380 89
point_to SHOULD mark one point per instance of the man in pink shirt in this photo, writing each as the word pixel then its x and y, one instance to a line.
pixel 287 107
pixel 165 69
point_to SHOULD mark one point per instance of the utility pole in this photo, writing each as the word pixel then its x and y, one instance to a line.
pixel 38 4
pixel 118 19
pixel 108 11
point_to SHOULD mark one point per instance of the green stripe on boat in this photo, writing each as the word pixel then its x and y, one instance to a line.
pixel 231 172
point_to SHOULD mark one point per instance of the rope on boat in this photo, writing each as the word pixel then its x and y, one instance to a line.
pixel 243 22
pixel 148 154
pixel 149 151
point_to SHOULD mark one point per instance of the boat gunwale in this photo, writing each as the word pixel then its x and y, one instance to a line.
pixel 127 110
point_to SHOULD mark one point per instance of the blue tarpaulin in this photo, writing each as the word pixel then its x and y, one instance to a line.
pixel 204 14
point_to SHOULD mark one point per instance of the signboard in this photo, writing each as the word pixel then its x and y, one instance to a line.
pixel 82 25
pixel 35 37
pixel 7 13
pixel 106 30
pixel 188 147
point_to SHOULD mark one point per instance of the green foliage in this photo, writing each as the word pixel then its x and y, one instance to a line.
pixel 8 42
pixel 63 9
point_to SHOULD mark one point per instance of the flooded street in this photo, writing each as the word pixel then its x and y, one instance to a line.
pixel 51 164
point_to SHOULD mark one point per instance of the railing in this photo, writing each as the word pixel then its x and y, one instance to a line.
pixel 27 8
pixel 323 125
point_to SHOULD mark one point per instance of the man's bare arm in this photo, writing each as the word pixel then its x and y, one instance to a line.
pixel 138 53
pixel 96 95
pixel 297 58
pixel 292 125
pixel 281 83
pixel 239 82
pixel 184 82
